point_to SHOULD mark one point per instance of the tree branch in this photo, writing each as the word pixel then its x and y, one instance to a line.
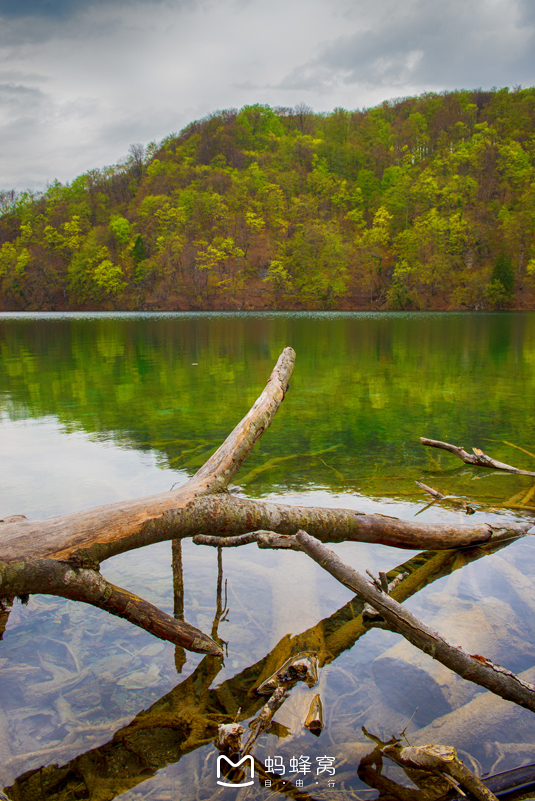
pixel 136 523
pixel 473 667
pixel 478 457
pixel 85 538
pixel 51 577
pixel 221 468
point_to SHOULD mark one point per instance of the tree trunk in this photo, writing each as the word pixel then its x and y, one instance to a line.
pixel 62 555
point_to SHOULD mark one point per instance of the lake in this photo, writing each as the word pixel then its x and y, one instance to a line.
pixel 98 407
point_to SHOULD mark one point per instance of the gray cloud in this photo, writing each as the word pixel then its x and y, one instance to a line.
pixel 18 95
pixel 52 9
pixel 82 79
pixel 39 8
pixel 428 44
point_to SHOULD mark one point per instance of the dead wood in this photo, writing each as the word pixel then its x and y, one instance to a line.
pixel 188 716
pixel 96 535
pixel 438 496
pixel 61 555
pixel 314 719
pixel 228 740
pixel 301 667
pixel 477 457
pixel 202 507
pixel 439 759
pixel 473 667
pixel 225 542
pixel 51 577
pixel 264 719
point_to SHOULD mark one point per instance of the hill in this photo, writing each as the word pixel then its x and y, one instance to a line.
pixel 420 203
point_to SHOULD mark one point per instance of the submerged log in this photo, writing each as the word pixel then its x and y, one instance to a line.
pixel 477 457
pixel 167 731
pixel 74 545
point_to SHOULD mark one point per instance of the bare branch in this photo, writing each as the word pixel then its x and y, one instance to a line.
pixel 84 584
pixel 264 539
pixel 473 667
pixel 221 468
pixel 438 496
pixel 478 457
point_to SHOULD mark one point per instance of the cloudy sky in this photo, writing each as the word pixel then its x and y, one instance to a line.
pixel 81 80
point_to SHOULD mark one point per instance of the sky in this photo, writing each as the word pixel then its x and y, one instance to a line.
pixel 82 80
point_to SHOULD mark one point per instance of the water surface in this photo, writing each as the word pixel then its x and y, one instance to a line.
pixel 97 407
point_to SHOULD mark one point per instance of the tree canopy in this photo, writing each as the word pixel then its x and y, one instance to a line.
pixel 419 203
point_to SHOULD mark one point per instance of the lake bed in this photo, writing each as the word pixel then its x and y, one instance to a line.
pixel 96 408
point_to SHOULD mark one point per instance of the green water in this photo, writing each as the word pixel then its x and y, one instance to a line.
pixel 97 407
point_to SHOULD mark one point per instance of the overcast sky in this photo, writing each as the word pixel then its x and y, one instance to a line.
pixel 81 80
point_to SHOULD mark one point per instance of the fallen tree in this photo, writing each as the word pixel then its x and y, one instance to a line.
pixel 188 716
pixel 62 555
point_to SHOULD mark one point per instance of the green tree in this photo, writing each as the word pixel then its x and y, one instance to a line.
pixel 499 290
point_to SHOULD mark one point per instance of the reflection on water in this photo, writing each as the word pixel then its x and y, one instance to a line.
pixel 94 410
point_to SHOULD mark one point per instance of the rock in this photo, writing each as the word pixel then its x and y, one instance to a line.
pixel 410 679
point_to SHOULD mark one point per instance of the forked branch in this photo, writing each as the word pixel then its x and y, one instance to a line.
pixel 201 507
pixel 476 457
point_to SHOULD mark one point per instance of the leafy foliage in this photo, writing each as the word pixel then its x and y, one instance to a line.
pixel 422 203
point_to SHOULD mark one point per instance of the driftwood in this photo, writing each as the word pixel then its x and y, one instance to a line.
pixel 439 759
pixel 434 769
pixel 477 457
pixel 437 496
pixel 263 721
pixel 167 731
pixel 487 626
pixel 62 555
pixel 474 667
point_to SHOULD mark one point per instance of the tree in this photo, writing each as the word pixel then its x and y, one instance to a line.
pixel 304 115
pixel 499 291
pixel 137 158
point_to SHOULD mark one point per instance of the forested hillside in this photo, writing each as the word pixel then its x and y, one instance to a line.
pixel 420 203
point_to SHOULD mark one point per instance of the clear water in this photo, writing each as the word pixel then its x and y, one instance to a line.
pixel 97 407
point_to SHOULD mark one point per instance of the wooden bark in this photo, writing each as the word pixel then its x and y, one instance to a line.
pixel 188 716
pixel 473 667
pixel 439 759
pixel 93 536
pixel 201 507
pixel 51 577
pixel 477 457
